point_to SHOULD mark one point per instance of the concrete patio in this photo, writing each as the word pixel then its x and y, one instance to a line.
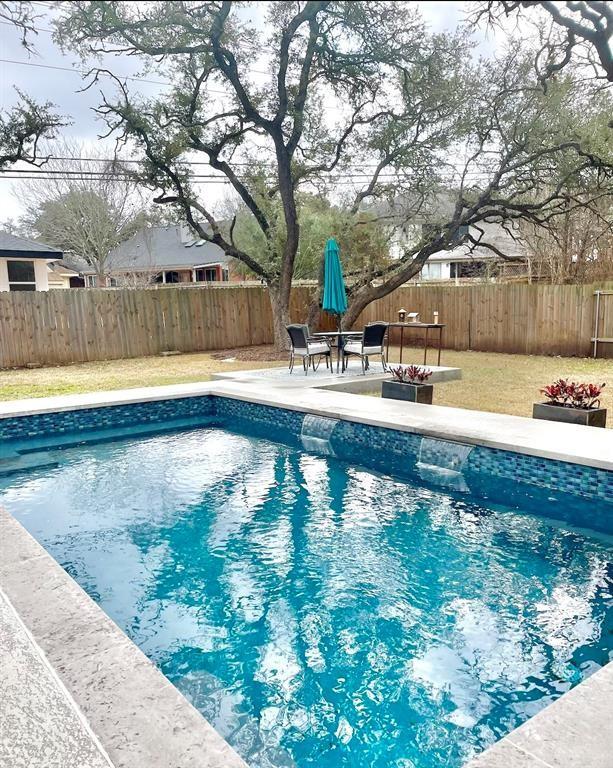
pixel 351 380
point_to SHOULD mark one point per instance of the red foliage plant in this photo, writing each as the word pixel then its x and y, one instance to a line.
pixel 412 374
pixel 572 394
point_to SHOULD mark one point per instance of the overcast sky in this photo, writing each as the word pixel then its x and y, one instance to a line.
pixel 61 87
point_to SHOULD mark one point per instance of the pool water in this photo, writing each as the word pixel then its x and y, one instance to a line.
pixel 321 614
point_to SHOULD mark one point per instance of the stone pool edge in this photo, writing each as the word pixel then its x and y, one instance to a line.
pixel 575 731
pixel 138 716
pixel 570 443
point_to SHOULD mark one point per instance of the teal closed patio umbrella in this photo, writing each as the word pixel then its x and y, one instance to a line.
pixel 334 297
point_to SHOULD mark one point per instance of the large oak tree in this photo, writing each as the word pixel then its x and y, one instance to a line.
pixel 23 126
pixel 357 99
pixel 577 27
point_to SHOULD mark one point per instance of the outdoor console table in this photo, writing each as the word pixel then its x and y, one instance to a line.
pixel 427 327
pixel 340 336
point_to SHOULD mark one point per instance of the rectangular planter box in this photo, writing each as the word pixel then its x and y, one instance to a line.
pixel 595 417
pixel 413 393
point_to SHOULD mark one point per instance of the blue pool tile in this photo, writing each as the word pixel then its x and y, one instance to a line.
pixel 112 416
pixel 501 476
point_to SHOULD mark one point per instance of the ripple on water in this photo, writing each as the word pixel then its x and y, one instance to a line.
pixel 319 614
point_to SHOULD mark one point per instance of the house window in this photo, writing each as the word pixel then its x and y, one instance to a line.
pixel 463 230
pixel 92 280
pixel 167 277
pixel 207 274
pixel 472 268
pixel 431 272
pixel 21 275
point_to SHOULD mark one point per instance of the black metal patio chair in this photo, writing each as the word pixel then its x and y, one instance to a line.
pixel 308 349
pixel 371 343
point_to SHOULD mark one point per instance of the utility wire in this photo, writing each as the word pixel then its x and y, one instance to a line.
pixel 121 161
pixel 220 180
pixel 51 31
pixel 86 72
pixel 101 71
pixel 47 174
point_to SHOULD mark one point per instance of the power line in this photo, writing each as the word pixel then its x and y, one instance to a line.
pixel 219 180
pixel 51 31
pixel 89 174
pixel 46 174
pixel 9 177
pixel 329 174
pixel 86 72
pixel 29 27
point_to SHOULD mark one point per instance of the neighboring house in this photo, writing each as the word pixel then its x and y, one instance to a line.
pixel 60 275
pixel 167 254
pixel 23 263
pixel 464 262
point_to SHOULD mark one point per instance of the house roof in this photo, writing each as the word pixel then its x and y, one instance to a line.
pixel 61 268
pixel 156 248
pixel 13 246
pixel 74 262
pixel 492 233
pixel 410 207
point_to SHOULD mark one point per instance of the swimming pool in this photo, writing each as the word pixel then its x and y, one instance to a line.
pixel 319 611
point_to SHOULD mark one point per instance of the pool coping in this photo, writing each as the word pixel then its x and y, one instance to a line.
pixel 572 443
pixel 39 715
pixel 75 633
pixel 575 731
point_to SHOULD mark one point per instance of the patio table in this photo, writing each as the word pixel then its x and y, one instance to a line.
pixel 424 326
pixel 339 336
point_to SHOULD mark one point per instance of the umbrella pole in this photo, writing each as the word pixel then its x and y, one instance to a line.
pixel 339 325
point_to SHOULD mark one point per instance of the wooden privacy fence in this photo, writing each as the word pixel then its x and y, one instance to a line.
pixel 506 317
pixel 59 327
pixel 78 325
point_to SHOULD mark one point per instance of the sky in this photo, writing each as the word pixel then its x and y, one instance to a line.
pixel 61 84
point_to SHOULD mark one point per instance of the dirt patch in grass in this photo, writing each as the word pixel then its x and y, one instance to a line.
pixel 265 352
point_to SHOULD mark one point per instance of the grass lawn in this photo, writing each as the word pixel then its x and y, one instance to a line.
pixel 511 383
pixel 116 374
pixel 492 382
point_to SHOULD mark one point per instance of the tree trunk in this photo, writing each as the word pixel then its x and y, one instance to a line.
pixel 356 305
pixel 279 302
pixel 359 299
pixel 314 311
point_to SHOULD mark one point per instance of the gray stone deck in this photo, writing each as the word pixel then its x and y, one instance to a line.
pixel 41 724
pixel 352 380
